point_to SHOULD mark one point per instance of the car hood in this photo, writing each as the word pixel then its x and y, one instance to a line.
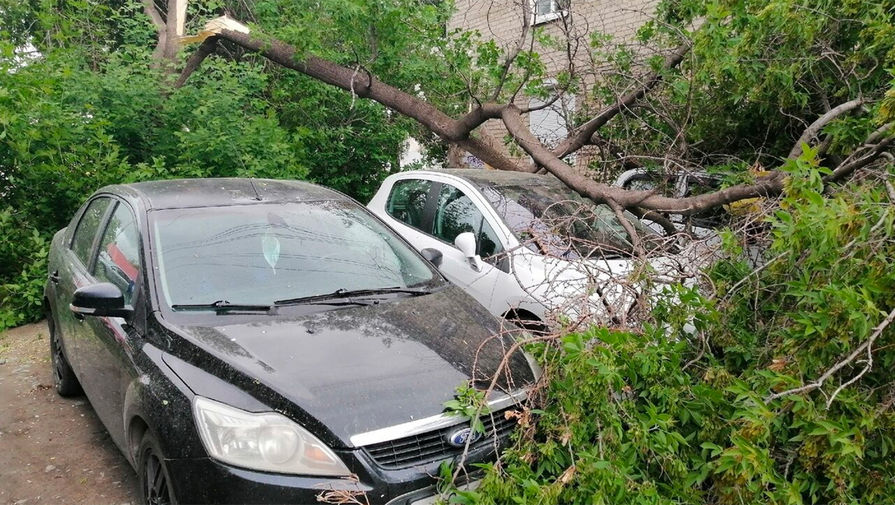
pixel 359 369
pixel 605 290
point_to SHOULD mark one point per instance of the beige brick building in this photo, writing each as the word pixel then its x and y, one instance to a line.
pixel 578 21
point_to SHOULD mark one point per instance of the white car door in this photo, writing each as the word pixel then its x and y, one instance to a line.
pixel 456 213
pixel 430 214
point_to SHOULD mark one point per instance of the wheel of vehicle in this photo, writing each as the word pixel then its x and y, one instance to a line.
pixel 155 482
pixel 63 376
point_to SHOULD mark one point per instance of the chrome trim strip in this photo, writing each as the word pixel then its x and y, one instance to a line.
pixel 431 423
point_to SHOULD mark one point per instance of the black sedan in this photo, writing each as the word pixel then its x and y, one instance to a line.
pixel 258 341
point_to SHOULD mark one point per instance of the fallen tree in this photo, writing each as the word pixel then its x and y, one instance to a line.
pixel 461 130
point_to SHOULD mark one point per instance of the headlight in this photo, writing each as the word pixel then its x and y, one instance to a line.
pixel 264 441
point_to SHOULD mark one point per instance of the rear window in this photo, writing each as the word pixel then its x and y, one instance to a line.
pixel 82 242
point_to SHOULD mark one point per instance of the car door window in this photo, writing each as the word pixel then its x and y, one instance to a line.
pixel 118 259
pixel 407 202
pixel 456 214
pixel 82 243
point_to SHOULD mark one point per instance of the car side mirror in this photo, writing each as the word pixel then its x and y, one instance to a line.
pixel 466 243
pixel 433 255
pixel 101 299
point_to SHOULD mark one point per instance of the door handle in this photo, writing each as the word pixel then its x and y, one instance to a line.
pixel 54 277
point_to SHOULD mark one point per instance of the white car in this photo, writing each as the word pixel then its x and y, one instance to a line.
pixel 525 246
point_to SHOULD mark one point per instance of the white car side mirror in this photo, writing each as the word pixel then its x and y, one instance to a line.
pixel 466 243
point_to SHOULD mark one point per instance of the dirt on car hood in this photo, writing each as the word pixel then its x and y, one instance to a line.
pixel 358 369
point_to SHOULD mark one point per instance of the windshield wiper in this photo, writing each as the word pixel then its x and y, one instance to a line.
pixel 221 306
pixel 350 297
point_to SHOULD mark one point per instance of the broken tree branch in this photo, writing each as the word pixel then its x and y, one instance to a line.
pixel 457 131
pixel 811 132
pixel 368 86
pixel 205 49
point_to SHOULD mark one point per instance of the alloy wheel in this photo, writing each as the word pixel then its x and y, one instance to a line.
pixel 155 484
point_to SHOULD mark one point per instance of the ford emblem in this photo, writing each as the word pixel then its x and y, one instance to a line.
pixel 458 438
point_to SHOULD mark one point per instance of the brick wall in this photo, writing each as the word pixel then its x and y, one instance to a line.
pixel 502 21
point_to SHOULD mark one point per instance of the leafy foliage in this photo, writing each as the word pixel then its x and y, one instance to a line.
pixel 89 108
pixel 759 72
pixel 675 415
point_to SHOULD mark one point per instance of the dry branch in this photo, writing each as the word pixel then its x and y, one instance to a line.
pixel 866 346
pixel 811 132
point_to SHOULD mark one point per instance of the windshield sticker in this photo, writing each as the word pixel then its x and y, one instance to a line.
pixel 271 247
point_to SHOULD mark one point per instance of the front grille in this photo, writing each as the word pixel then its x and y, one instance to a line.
pixel 433 446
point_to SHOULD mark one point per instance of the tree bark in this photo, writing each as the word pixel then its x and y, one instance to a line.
pixel 205 49
pixel 156 18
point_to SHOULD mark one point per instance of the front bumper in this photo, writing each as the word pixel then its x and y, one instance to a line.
pixel 204 480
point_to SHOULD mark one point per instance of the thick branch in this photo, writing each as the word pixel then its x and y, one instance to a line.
pixel 204 50
pixel 365 85
pixel 478 115
pixel 879 133
pixel 820 122
pixel 770 185
pixel 583 133
pixel 848 166
pixel 489 155
pixel 666 224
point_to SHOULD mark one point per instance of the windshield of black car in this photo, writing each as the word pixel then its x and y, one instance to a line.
pixel 257 254
pixel 554 220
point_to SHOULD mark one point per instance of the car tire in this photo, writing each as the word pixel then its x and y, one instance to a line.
pixel 63 376
pixel 155 481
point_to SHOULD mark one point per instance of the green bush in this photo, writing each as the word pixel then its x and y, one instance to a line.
pixel 93 110
pixel 23 253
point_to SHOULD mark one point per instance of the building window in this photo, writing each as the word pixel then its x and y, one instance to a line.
pixel 548 10
pixel 550 124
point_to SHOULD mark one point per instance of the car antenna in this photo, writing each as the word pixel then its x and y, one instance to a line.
pixel 252 182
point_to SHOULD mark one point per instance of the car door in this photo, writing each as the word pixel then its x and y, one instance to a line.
pixel 433 213
pixel 72 274
pixel 107 348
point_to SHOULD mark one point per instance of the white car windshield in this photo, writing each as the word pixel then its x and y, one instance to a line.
pixel 258 254
pixel 556 221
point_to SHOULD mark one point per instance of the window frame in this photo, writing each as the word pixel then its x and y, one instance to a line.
pixel 506 240
pixel 557 10
pixel 428 212
pixel 478 243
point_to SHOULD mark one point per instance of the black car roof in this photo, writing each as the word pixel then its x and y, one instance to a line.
pixel 183 193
